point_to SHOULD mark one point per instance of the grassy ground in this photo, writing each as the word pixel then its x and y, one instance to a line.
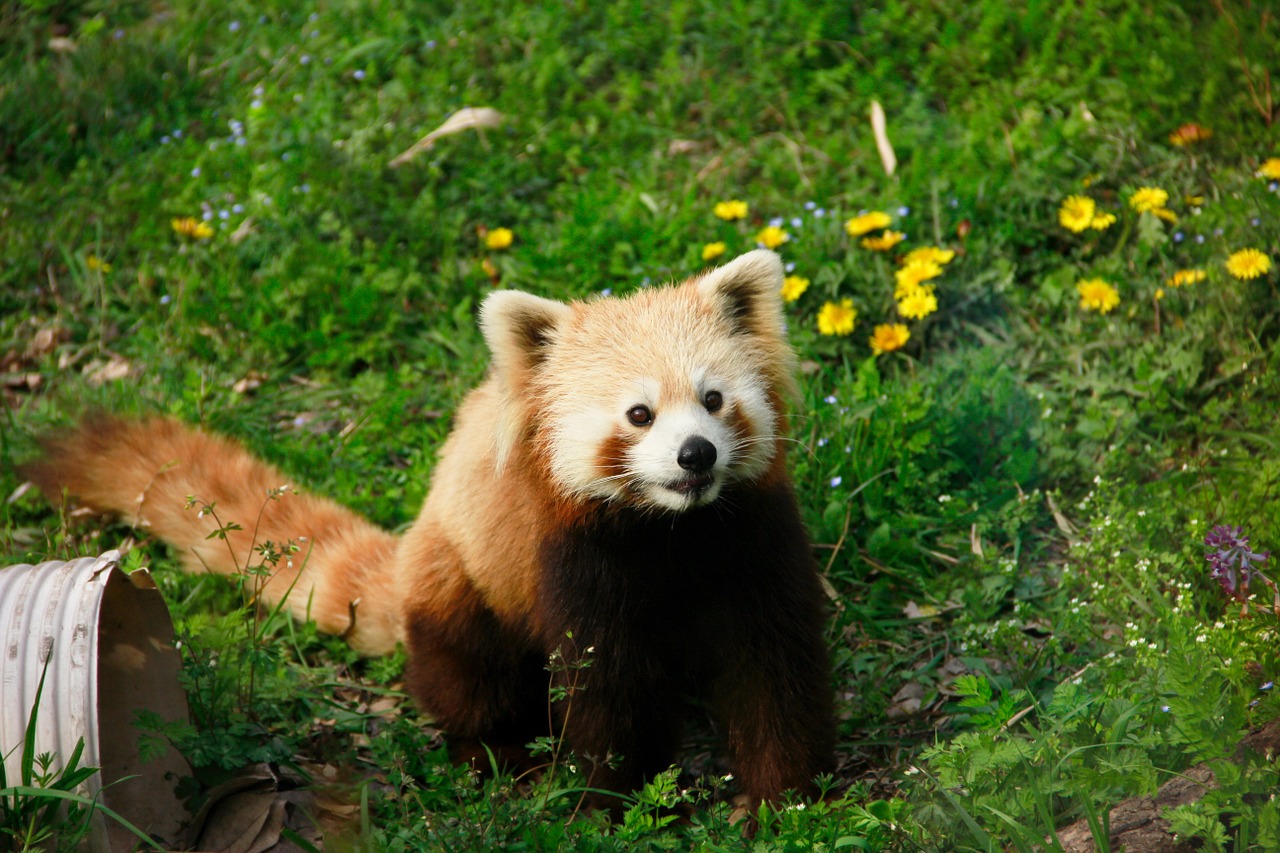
pixel 1010 508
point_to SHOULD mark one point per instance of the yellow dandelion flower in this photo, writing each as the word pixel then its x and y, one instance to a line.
pixel 1102 221
pixel 94 262
pixel 1097 295
pixel 1182 278
pixel 912 275
pixel 1166 214
pixel 711 251
pixel 771 236
pixel 1148 198
pixel 1159 293
pixel 889 337
pixel 1076 212
pixel 189 226
pixel 499 238
pixel 793 287
pixel 1270 168
pixel 918 304
pixel 867 222
pixel 731 210
pixel 884 242
pixel 1248 263
pixel 1089 180
pixel 1193 200
pixel 939 256
pixel 837 318
pixel 1190 133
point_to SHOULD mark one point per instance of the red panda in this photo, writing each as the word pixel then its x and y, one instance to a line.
pixel 614 491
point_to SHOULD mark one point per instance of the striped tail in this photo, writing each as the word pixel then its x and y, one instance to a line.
pixel 148 471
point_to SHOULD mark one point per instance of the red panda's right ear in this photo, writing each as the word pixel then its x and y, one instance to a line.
pixel 519 328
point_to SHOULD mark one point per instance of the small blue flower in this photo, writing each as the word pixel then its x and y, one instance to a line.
pixel 164 140
pixel 207 215
pixel 796 222
pixel 810 205
pixel 1165 708
pixel 430 44
pixel 790 266
pixel 195 173
pixel 177 133
pixel 820 212
pixel 835 481
pixel 822 442
pixel 118 34
pixel 608 291
pixel 358 74
pixel 1199 238
pixel 955 202
pixel 237 208
pixel 904 211
pixel 1273 186
pixel 1267 686
pixel 224 214
pixel 305 59
pixel 164 300
pixel 233 26
pixel 1178 236
pixel 1255 221
pixel 776 222
pixel 1217 232
pixel 830 399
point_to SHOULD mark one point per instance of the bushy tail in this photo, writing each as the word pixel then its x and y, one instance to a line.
pixel 342 574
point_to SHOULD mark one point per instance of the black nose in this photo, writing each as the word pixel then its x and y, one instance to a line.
pixel 697 455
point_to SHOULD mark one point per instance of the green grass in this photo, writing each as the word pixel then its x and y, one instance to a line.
pixel 1009 510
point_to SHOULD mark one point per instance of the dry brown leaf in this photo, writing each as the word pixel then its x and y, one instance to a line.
pixel 881 133
pixel 249 382
pixel 43 341
pixel 467 118
pixel 97 372
pixel 907 700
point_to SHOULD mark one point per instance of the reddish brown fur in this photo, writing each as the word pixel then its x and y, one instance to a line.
pixel 721 601
pixel 145 469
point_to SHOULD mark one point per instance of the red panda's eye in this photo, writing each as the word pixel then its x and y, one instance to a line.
pixel 640 415
pixel 713 401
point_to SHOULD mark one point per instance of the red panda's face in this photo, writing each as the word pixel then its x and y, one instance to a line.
pixel 667 437
pixel 656 401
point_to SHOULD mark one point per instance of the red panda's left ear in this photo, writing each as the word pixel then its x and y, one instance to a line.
pixel 519 327
pixel 747 292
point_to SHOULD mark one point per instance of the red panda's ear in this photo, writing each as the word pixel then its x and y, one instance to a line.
pixel 519 327
pixel 747 292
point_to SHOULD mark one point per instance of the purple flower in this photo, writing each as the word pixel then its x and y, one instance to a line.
pixel 1232 561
